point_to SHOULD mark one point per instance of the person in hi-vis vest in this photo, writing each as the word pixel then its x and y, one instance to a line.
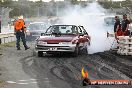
pixel 20 29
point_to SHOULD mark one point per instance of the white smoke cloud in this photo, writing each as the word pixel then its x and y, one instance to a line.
pixel 92 19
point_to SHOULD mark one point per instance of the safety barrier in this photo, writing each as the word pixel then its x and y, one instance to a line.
pixel 125 45
pixel 5 38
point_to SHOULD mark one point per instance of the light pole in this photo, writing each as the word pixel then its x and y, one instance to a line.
pixel 56 8
pixel 0 28
pixel 38 11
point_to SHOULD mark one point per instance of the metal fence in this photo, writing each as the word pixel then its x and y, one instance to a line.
pixel 6 31
pixel 125 45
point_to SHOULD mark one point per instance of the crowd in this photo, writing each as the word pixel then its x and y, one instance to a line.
pixel 124 27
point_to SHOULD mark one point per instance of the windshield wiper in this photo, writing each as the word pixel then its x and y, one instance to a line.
pixel 56 33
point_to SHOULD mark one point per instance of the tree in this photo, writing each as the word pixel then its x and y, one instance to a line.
pixel 73 2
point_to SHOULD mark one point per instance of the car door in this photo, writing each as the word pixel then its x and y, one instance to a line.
pixel 83 36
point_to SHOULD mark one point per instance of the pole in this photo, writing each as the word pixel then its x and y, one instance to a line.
pixel 0 28
pixel 57 9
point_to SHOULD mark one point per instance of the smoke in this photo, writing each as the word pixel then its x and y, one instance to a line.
pixel 92 18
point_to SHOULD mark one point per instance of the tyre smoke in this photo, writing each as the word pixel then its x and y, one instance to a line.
pixel 92 18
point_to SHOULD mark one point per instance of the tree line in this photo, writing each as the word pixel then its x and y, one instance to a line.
pixel 39 8
pixel 120 4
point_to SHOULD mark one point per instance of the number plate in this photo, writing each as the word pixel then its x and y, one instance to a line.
pixel 52 49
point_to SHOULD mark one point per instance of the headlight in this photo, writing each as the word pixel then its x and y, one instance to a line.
pixel 27 32
pixel 65 43
pixel 41 42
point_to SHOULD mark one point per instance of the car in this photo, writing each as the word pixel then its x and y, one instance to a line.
pixel 34 30
pixel 63 38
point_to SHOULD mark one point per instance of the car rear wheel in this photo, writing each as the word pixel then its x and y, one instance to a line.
pixel 76 52
pixel 40 53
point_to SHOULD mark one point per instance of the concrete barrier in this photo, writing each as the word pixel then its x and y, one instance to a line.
pixel 125 45
pixel 6 38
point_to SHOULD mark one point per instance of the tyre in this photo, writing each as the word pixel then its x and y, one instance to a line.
pixel 40 53
pixel 76 52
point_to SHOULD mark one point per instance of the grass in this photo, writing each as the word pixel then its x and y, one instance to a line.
pixel 11 44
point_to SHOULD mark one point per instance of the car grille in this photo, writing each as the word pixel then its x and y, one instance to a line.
pixel 49 46
pixel 58 47
pixel 51 43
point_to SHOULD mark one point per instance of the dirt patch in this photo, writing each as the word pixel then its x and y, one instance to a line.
pixel 3 84
pixel 2 46
pixel 0 50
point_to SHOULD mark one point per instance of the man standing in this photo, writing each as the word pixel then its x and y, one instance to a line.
pixel 117 27
pixel 125 25
pixel 19 28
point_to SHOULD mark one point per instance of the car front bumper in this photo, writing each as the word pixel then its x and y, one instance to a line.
pixel 56 48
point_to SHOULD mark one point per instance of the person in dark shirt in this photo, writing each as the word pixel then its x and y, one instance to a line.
pixel 125 25
pixel 117 27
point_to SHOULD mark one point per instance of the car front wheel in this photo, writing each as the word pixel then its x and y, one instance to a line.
pixel 40 53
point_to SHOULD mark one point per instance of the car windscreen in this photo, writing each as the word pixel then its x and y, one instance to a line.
pixel 62 29
pixel 37 27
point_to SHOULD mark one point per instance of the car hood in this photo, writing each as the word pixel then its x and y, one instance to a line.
pixel 57 39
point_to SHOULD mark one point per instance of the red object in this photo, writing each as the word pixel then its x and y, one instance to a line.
pixel 126 33
pixel 57 39
pixel 119 33
pixel 19 24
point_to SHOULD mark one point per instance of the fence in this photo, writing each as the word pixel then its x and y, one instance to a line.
pixel 125 45
pixel 5 38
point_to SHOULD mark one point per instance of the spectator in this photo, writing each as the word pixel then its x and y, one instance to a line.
pixel 19 29
pixel 125 25
pixel 117 27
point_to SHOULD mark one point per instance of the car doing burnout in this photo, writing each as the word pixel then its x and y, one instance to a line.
pixel 63 38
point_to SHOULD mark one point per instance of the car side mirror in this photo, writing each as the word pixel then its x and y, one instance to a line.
pixel 42 34
pixel 81 34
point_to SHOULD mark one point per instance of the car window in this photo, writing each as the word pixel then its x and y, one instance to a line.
pixel 80 31
pixel 63 29
pixel 49 30
pixel 83 30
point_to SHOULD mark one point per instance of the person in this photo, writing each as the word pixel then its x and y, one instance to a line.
pixel 19 30
pixel 56 30
pixel 125 25
pixel 117 27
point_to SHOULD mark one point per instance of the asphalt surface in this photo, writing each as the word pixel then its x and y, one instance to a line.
pixel 24 69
